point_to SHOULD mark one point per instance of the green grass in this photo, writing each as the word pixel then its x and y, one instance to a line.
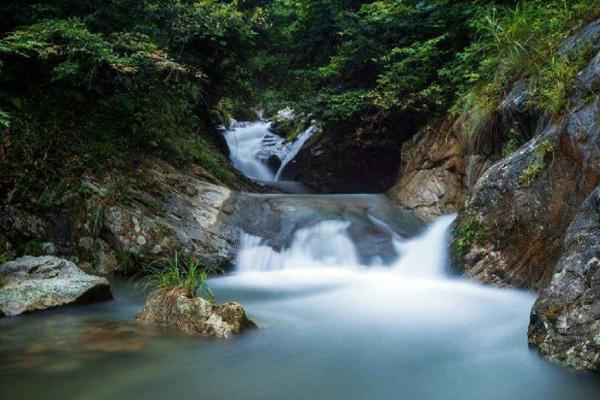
pixel 178 272
pixel 33 248
pixel 522 42
pixel 510 146
pixel 128 262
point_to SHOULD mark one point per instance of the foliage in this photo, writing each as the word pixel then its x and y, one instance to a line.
pixel 543 154
pixel 90 86
pixel 128 262
pixel 470 232
pixel 33 248
pixel 178 272
pixel 510 146
pixel 523 42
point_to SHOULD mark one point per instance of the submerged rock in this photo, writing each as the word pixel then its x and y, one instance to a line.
pixel 565 320
pixel 194 316
pixel 38 283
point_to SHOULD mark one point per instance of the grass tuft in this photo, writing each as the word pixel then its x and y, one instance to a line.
pixel 181 273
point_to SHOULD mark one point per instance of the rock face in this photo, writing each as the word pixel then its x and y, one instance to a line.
pixel 432 176
pixel 194 316
pixel 323 167
pixel 565 320
pixel 512 230
pixel 149 213
pixel 38 283
pixel 171 211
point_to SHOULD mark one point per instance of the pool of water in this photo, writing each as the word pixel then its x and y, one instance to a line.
pixel 335 323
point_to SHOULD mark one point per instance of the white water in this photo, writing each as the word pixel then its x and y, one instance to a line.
pixel 328 244
pixel 251 145
pixel 294 148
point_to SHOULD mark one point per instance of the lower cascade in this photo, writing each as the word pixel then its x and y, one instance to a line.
pixel 329 245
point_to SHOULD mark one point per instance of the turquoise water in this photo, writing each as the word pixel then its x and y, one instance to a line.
pixel 331 327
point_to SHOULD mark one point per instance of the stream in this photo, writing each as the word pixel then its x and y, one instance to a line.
pixel 354 301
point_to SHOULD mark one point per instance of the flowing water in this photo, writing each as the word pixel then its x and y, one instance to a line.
pixel 253 147
pixel 336 322
pixel 353 299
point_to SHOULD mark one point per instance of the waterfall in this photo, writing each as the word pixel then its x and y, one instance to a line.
pixel 252 145
pixel 328 244
pixel 294 148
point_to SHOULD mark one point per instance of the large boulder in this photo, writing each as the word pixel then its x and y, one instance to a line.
pixel 164 210
pixel 512 230
pixel 38 283
pixel 565 320
pixel 194 316
pixel 432 176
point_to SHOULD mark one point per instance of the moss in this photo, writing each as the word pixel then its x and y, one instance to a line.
pixel 552 313
pixel 470 232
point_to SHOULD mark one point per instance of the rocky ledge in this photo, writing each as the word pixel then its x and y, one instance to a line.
pixel 38 283
pixel 565 320
pixel 194 316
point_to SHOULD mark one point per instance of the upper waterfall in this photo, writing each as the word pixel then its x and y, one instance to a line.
pixel 259 153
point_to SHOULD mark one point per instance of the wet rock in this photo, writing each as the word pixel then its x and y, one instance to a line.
pixel 48 248
pixel 38 283
pixel 565 320
pixel 194 316
pixel 274 162
pixel 432 175
pixel 589 35
pixel 521 207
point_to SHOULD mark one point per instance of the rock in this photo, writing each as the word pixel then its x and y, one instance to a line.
pixel 521 207
pixel 589 35
pixel 104 258
pixel 38 283
pixel 565 320
pixel 274 162
pixel 325 166
pixel 48 248
pixel 171 211
pixel 194 316
pixel 432 175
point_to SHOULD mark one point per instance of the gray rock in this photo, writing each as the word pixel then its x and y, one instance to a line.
pixel 38 283
pixel 194 316
pixel 522 206
pixel 565 320
pixel 172 211
pixel 589 35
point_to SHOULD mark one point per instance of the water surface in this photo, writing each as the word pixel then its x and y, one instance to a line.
pixel 336 322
